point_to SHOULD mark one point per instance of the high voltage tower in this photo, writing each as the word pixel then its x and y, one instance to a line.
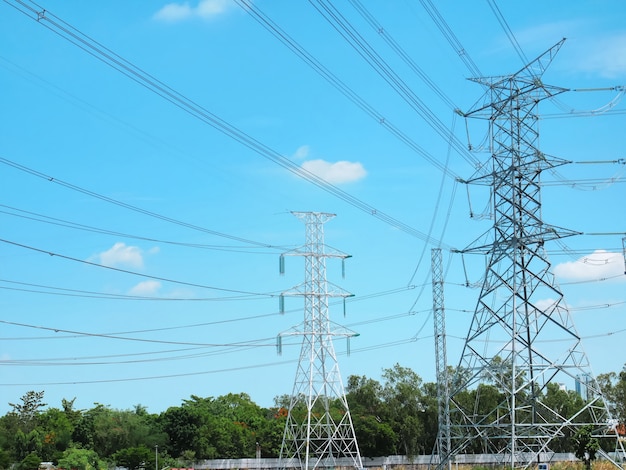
pixel 522 341
pixel 443 444
pixel 319 430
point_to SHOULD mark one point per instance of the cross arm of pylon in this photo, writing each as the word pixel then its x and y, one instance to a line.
pixel 334 330
pixel 306 251
pixel 304 289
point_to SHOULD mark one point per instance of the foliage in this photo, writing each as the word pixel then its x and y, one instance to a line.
pixel 30 462
pixel 586 445
pixel 80 459
pixel 28 410
pixel 613 386
pixel 397 415
pixel 134 458
pixel 374 435
pixel 404 397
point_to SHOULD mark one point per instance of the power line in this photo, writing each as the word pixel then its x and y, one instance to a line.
pixel 29 215
pixel 361 46
pixel 156 377
pixel 113 60
pixel 254 343
pixel 125 205
pixel 507 30
pixel 192 374
pixel 376 26
pixel 253 10
pixel 244 294
pixel 55 290
pixel 449 35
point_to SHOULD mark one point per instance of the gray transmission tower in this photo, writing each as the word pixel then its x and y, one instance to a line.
pixel 319 430
pixel 522 342
pixel 444 443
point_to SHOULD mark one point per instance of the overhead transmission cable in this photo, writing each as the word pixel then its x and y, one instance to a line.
pixel 507 30
pixel 154 377
pixel 125 205
pixel 257 14
pixel 279 33
pixel 243 294
pixel 110 356
pixel 113 60
pixel 62 291
pixel 397 48
pixel 432 222
pixel 257 342
pixel 449 35
pixel 192 374
pixel 24 214
pixel 364 49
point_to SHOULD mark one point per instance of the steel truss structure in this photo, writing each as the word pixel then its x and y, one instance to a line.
pixel 319 430
pixel 444 443
pixel 522 342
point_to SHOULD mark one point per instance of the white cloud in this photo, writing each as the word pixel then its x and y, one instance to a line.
pixel 339 172
pixel 206 9
pixel 174 12
pixel 598 265
pixel 121 254
pixel 302 152
pixel 545 305
pixel 146 288
pixel 209 8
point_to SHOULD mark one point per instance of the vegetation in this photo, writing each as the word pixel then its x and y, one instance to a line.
pixel 397 416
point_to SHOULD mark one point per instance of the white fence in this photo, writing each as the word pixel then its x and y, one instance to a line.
pixel 383 463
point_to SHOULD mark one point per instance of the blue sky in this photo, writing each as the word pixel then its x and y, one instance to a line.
pixel 140 244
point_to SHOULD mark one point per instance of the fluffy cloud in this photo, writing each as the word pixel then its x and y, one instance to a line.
pixel 146 288
pixel 302 152
pixel 205 9
pixel 339 172
pixel 598 265
pixel 121 254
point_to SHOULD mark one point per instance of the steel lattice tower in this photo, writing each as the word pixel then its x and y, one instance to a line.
pixel 319 430
pixel 522 338
pixel 443 443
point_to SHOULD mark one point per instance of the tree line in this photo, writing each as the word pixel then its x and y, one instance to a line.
pixel 395 416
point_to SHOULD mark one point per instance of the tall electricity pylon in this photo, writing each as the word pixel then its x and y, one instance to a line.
pixel 319 430
pixel 443 443
pixel 522 342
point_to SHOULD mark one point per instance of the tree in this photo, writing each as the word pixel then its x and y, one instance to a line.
pixel 80 459
pixel 30 462
pixel 26 444
pixel 182 425
pixel 108 430
pixel 5 459
pixel 28 410
pixel 369 416
pixel 56 431
pixel 586 445
pixel 134 458
pixel 613 388
pixel 270 433
pixel 560 406
pixel 225 427
pixel 404 401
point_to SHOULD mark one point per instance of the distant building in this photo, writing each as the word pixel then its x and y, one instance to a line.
pixel 582 386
